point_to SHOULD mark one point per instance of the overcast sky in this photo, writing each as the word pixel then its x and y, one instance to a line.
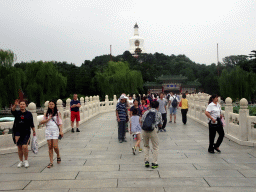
pixel 78 30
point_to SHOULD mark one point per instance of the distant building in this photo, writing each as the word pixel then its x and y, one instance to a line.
pixel 136 42
pixel 172 83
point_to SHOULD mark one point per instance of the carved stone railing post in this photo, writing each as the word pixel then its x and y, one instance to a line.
pixel 32 109
pixel 68 104
pixel 106 102
pixel 115 100
pixel 86 107
pixel 243 116
pixel 46 106
pixel 60 107
pixel 82 111
pixel 196 107
pixel 228 109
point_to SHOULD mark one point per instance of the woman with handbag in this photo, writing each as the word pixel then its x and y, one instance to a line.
pixel 53 131
pixel 213 112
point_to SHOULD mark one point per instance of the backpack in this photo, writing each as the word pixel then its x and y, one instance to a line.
pixel 149 121
pixel 174 103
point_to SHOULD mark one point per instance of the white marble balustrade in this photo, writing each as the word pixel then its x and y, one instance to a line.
pixel 90 107
pixel 240 128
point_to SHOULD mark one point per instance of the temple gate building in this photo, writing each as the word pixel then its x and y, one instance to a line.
pixel 172 83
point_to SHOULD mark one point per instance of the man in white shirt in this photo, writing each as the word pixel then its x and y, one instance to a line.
pixel 173 102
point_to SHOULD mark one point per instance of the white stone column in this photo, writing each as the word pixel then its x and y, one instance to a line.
pixel 98 103
pixel 228 109
pixel 32 109
pixel 46 106
pixel 60 108
pixel 106 103
pixel 82 111
pixel 115 100
pixel 196 106
pixel 243 117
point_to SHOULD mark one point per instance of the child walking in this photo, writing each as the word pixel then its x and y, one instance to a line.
pixel 136 129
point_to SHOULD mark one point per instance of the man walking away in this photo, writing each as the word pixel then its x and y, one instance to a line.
pixel 151 120
pixel 173 101
pixel 162 109
pixel 121 118
pixel 75 114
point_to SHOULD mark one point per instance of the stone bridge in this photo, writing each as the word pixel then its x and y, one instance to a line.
pixel 94 160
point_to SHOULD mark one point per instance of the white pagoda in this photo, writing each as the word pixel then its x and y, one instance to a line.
pixel 136 42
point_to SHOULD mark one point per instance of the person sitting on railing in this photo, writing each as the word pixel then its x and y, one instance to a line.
pixel 213 112
pixel 21 130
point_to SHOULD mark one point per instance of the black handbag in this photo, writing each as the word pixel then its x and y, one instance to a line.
pixel 59 129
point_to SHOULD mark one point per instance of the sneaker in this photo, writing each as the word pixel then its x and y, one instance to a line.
pixel 161 130
pixel 170 121
pixel 124 140
pixel 72 130
pixel 120 141
pixel 20 164
pixel 154 165
pixel 77 130
pixel 140 150
pixel 134 150
pixel 26 164
pixel 164 130
pixel 146 164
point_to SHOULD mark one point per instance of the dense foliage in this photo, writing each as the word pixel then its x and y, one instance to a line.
pixel 234 77
pixel 118 78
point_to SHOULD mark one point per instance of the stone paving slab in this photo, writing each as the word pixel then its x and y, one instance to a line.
pixel 13 185
pixel 119 175
pixel 200 173
pixel 82 168
pixel 22 170
pixel 209 189
pixel 75 184
pixel 230 182
pixel 181 182
pixel 169 166
pixel 37 176
pixel 119 190
pixel 223 166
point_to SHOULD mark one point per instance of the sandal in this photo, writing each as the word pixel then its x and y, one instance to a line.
pixel 49 165
pixel 58 160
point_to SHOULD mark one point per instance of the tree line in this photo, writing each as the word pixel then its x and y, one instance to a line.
pixel 109 75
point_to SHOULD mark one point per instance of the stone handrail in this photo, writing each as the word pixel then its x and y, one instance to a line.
pixel 240 128
pixel 90 107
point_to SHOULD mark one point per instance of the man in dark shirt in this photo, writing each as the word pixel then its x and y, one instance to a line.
pixel 75 114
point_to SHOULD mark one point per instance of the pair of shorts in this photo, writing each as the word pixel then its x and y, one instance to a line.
pixel 173 110
pixel 23 140
pixel 75 115
pixel 51 134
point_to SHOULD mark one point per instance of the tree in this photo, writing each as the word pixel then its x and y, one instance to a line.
pixel 238 84
pixel 44 82
pixel 7 58
pixel 118 78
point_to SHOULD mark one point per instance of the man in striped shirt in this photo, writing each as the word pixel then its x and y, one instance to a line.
pixel 121 113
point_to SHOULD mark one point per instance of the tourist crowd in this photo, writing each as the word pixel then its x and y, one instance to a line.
pixel 144 117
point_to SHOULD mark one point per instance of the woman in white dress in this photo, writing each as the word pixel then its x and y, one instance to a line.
pixel 53 121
